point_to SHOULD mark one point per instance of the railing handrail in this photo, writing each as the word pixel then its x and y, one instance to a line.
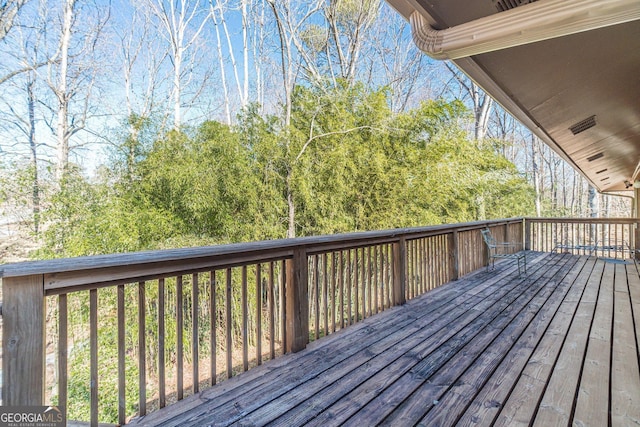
pixel 396 263
pixel 62 272
pixel 584 220
pixel 311 272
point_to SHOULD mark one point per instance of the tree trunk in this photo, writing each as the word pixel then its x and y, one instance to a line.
pixel 33 148
pixel 482 104
pixel 536 173
pixel 223 74
pixel 8 11
pixel 245 54
pixel 594 203
pixel 291 229
pixel 62 159
pixel 177 89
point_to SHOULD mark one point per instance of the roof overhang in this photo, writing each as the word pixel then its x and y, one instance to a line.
pixel 569 70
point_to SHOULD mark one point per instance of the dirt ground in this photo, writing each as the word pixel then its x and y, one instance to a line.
pixel 15 245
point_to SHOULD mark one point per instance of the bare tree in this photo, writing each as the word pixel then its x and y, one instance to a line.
pixel 25 124
pixel 72 76
pixel 481 103
pixel 181 23
pixel 8 11
pixel 536 176
pixel 257 43
pixel 142 76
pixel 396 63
pixel 60 88
pixel 288 23
pixel 221 61
pixel 218 11
pixel 21 117
pixel 348 22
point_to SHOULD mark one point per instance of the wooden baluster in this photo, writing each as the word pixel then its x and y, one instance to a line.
pixel 356 276
pixel 272 315
pixel 377 274
pixel 195 360
pixel 93 357
pixel 349 285
pixel 258 315
pixel 213 336
pixel 316 290
pixel 283 305
pixel 179 342
pixel 363 286
pixel 122 368
pixel 341 294
pixel 229 326
pixel 334 289
pixel 245 319
pixel 161 343
pixel 389 276
pixel 213 321
pixel 63 326
pixel 439 260
pixel 325 294
pixel 369 284
pixel 142 359
pixel 425 264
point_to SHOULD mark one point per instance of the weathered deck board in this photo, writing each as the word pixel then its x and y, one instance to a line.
pixel 528 327
pixel 488 403
pixel 558 398
pixel 445 340
pixel 592 406
pixel 490 349
pixel 625 374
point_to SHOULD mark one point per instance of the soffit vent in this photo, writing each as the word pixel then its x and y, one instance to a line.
pixel 583 125
pixel 595 157
pixel 503 5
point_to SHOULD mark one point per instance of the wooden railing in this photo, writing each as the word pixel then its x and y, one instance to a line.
pixel 603 237
pixel 129 333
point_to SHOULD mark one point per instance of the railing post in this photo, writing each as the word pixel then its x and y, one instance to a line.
pixel 23 340
pixel 297 301
pixel 454 255
pixel 399 271
pixel 527 234
pixel 485 250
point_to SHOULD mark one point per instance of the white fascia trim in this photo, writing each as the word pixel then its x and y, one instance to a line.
pixel 541 20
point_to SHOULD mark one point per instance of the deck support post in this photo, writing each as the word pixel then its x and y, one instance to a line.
pixel 399 271
pixel 297 301
pixel 527 234
pixel 454 255
pixel 23 340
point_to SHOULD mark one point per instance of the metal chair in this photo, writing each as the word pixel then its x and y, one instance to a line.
pixel 503 250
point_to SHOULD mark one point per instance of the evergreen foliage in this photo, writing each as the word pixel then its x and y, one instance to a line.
pixel 351 163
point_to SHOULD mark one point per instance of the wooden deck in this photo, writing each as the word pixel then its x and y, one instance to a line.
pixel 558 346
